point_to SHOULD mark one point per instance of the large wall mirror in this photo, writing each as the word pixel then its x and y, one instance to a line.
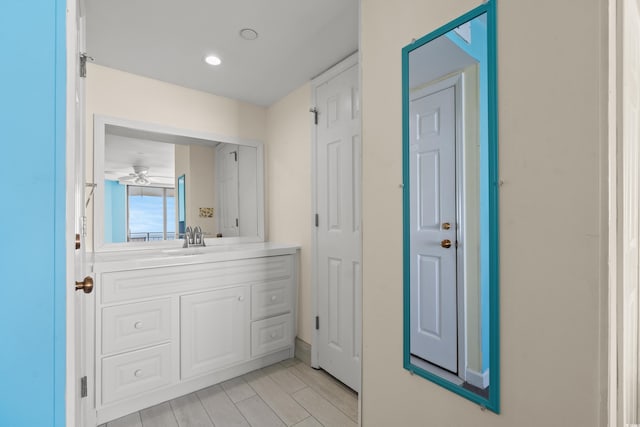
pixel 451 207
pixel 152 182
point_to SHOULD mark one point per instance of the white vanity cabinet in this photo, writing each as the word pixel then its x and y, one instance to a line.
pixel 168 327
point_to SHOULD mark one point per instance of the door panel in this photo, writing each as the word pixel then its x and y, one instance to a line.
pixel 213 330
pixel 434 330
pixel 228 186
pixel 339 235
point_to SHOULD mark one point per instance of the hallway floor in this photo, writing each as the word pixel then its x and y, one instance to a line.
pixel 289 393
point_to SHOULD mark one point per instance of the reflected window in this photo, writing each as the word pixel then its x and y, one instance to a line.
pixel 151 213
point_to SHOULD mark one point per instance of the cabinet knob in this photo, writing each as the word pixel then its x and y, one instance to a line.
pixel 138 325
pixel 273 297
pixel 273 335
pixel 138 373
pixel 241 298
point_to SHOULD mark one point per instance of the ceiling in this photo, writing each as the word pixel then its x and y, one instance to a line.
pixel 126 148
pixel 168 39
pixel 123 153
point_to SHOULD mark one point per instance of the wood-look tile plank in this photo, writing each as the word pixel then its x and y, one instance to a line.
pixel 290 362
pixel 131 420
pixel 322 410
pixel 309 422
pixel 326 386
pixel 220 408
pixel 287 381
pixel 237 389
pixel 189 412
pixel 272 369
pixel 258 413
pixel 281 402
pixel 158 416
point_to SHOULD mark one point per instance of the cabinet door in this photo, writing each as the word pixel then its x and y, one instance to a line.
pixel 214 330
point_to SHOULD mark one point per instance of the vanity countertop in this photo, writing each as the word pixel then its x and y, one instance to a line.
pixel 147 258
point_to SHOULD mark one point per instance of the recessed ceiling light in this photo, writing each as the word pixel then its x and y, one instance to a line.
pixel 248 34
pixel 212 60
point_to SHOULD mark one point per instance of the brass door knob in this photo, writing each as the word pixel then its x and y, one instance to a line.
pixel 86 285
pixel 446 243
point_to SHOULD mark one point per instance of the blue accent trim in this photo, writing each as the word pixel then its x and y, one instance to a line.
pixel 489 219
pixel 33 247
pixel 494 209
pixel 115 212
pixel 60 233
pixel 406 209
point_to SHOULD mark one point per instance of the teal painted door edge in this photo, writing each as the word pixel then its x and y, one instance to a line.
pixel 60 234
pixel 33 284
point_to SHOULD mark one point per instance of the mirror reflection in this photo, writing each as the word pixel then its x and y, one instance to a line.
pixel 448 213
pixel 215 184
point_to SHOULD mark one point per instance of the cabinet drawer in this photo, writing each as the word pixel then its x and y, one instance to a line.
pixel 270 334
pixel 137 325
pixel 270 299
pixel 137 372
pixel 160 281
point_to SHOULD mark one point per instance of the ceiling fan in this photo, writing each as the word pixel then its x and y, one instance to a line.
pixel 139 176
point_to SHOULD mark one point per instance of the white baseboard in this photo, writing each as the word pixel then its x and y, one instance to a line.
pixel 476 379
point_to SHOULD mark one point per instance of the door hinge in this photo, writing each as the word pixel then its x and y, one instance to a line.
pixel 83 225
pixel 83 64
pixel 314 110
pixel 317 323
pixel 83 386
pixel 317 220
pixel 235 155
pixel 237 222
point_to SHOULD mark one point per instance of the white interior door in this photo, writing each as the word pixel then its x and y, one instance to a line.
pixel 630 210
pixel 80 327
pixel 228 156
pixel 432 177
pixel 339 233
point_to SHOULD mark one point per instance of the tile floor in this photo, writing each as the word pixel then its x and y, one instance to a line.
pixel 289 393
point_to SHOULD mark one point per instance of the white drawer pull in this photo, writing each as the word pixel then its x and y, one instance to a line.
pixel 240 298
pixel 138 325
pixel 138 373
pixel 273 297
pixel 273 335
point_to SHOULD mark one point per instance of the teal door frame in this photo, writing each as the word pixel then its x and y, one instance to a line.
pixel 32 213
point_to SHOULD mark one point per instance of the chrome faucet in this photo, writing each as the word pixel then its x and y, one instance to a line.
pixel 198 237
pixel 193 237
pixel 188 237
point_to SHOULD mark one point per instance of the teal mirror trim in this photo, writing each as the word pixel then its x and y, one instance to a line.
pixel 492 401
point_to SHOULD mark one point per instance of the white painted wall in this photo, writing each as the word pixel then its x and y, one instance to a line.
pixel 197 163
pixel 288 188
pixel 553 224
